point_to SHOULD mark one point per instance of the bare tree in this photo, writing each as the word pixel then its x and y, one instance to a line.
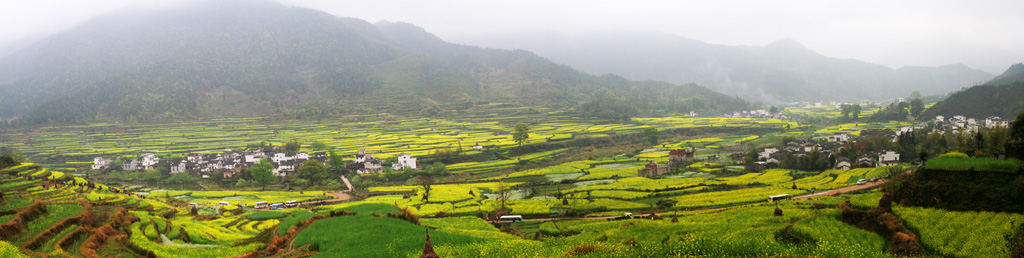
pixel 425 181
pixel 503 192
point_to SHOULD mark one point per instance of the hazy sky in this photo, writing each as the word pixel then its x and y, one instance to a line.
pixel 893 33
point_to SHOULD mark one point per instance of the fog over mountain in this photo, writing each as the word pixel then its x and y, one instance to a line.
pixel 777 51
pixel 248 58
pixel 781 71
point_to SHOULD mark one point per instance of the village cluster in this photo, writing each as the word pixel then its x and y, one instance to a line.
pixel 228 163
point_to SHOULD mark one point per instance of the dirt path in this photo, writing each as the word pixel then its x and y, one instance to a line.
pixel 343 196
pixel 848 189
pixel 347 183
pixel 339 197
pixel 852 188
pixel 637 216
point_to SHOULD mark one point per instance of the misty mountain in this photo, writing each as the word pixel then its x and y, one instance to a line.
pixel 1014 74
pixel 781 71
pixel 999 97
pixel 260 58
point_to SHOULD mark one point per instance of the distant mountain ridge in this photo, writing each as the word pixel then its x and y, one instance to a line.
pixel 781 71
pixel 1002 97
pixel 261 58
pixel 1013 74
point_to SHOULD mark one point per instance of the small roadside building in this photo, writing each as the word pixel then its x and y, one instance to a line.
pixel 653 170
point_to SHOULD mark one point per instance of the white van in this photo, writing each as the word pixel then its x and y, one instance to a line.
pixel 510 218
pixel 291 204
pixel 223 203
pixel 862 181
pixel 261 205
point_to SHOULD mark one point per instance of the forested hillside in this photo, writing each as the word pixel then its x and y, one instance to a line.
pixel 1014 74
pixel 982 101
pixel 999 97
pixel 260 58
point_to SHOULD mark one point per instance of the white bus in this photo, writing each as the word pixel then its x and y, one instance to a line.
pixel 224 203
pixel 510 218
pixel 291 203
pixel 779 197
pixel 261 205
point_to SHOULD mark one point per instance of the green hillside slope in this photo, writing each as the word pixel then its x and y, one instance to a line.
pixel 999 97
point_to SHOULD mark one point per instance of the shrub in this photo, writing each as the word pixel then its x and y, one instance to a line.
pixel 953 154
pixel 581 250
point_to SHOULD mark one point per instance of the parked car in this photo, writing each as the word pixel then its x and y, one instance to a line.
pixel 862 181
pixel 873 179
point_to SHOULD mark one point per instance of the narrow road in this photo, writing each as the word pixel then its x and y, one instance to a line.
pixel 635 216
pixel 848 189
pixel 347 183
pixel 339 197
pixel 852 188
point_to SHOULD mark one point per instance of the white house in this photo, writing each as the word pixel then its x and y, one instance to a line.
pixel 478 146
pixel 363 156
pixel 808 148
pixel 844 165
pixel 178 168
pixel 132 164
pixel 838 137
pixel 281 157
pixel 888 158
pixel 149 160
pixel 766 154
pixel 406 161
pixel 100 163
pixel 994 121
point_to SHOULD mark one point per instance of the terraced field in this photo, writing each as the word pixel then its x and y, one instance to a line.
pixel 67 147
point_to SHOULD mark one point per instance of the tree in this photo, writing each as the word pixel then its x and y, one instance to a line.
pixel 996 139
pixel 1015 139
pixel 503 192
pixel 651 136
pixel 314 171
pixel 153 176
pixel 116 164
pixel 845 109
pixel 318 145
pixel 241 183
pixel 425 181
pixel 855 109
pixel 292 147
pixel 915 95
pixel 183 178
pixel 438 169
pixel 298 181
pixel 263 173
pixel 337 164
pixel 916 107
pixel 520 133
